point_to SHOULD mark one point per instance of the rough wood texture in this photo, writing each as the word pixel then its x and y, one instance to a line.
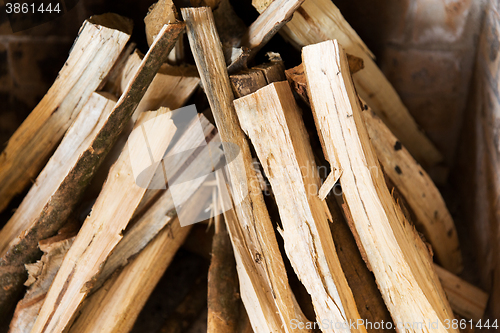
pixel 260 266
pixel 97 47
pixel 160 13
pixel 56 192
pixel 269 22
pixel 102 229
pixel 432 216
pixel 171 87
pixel 410 288
pixel 223 293
pixel 320 20
pixel 272 120
pixel 41 275
pixel 466 299
pixel 115 307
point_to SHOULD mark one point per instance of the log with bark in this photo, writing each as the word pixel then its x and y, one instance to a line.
pixel 98 45
pixel 263 281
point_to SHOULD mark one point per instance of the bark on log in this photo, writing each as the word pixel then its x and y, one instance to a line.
pixel 97 47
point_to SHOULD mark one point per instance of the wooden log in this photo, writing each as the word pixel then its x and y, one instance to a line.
pixel 41 275
pixel 263 281
pixel 410 287
pixel 465 299
pixel 102 229
pixel 320 20
pixel 432 216
pixel 160 13
pixel 115 307
pixel 97 47
pixel 54 195
pixel 269 117
pixel 223 293
pixel 171 87
pixel 269 22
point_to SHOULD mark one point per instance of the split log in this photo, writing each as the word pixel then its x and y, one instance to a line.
pixel 466 299
pixel 157 208
pixel 102 229
pixel 320 20
pixel 54 195
pixel 432 216
pixel 160 13
pixel 269 117
pixel 41 275
pixel 97 47
pixel 410 288
pixel 116 306
pixel 269 22
pixel 223 295
pixel 260 265
pixel 171 87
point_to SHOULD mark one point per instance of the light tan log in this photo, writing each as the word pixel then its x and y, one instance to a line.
pixel 261 269
pixel 432 217
pixel 102 229
pixel 41 275
pixel 273 122
pixel 320 20
pixel 398 258
pixel 466 299
pixel 97 47
pixel 160 13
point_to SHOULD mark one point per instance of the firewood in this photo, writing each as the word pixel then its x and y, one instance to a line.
pixel 247 82
pixel 465 299
pixel 41 275
pixel 102 229
pixel 98 45
pixel 223 297
pixel 269 117
pixel 269 22
pixel 320 20
pixel 261 269
pixel 274 70
pixel 160 13
pixel 171 87
pixel 157 208
pixel 410 288
pixel 432 216
pixel 56 192
pixel 115 307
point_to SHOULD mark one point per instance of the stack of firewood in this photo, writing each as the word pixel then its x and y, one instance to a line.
pixel 371 242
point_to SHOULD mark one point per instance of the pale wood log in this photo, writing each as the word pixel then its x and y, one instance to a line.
pixel 160 13
pixel 41 275
pixel 116 306
pixel 320 20
pixel 465 299
pixel 102 229
pixel 410 288
pixel 261 269
pixel 273 122
pixel 55 193
pixel 97 47
pixel 269 22
pixel 432 216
